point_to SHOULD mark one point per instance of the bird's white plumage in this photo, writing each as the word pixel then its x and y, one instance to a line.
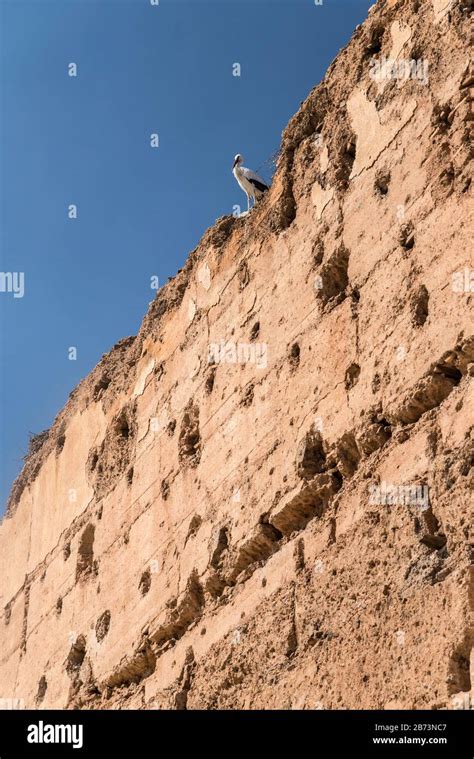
pixel 250 182
pixel 249 174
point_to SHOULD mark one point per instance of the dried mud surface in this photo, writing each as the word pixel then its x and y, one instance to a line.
pixel 196 535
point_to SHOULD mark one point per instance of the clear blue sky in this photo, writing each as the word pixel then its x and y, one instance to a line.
pixel 85 140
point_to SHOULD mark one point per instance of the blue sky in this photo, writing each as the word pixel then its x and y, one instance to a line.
pixel 85 140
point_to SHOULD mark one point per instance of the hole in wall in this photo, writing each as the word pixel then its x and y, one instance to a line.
pixel 351 377
pixel 100 387
pixel 60 444
pixel 108 463
pixel 165 490
pixel 221 545
pixel 374 40
pixel 189 445
pixel 102 626
pixel 243 275
pixel 255 331
pixel 334 277
pixel 145 582
pixel 122 426
pixel 193 528
pixel 76 655
pixel 382 182
pixel 310 456
pixel 85 553
pixel 419 306
pixel 42 688
pixel 248 395
pixel 210 379
pixel 459 667
pixel 346 147
pixel 406 236
pixel 294 356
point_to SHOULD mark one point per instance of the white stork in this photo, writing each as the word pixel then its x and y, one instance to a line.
pixel 249 181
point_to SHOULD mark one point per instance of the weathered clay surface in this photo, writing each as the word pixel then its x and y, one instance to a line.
pixel 204 534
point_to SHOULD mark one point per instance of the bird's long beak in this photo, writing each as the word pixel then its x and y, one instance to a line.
pixel 235 163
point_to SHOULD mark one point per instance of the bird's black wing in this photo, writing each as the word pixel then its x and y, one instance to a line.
pixel 259 185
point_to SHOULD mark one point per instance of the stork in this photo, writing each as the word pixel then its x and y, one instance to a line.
pixel 248 180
